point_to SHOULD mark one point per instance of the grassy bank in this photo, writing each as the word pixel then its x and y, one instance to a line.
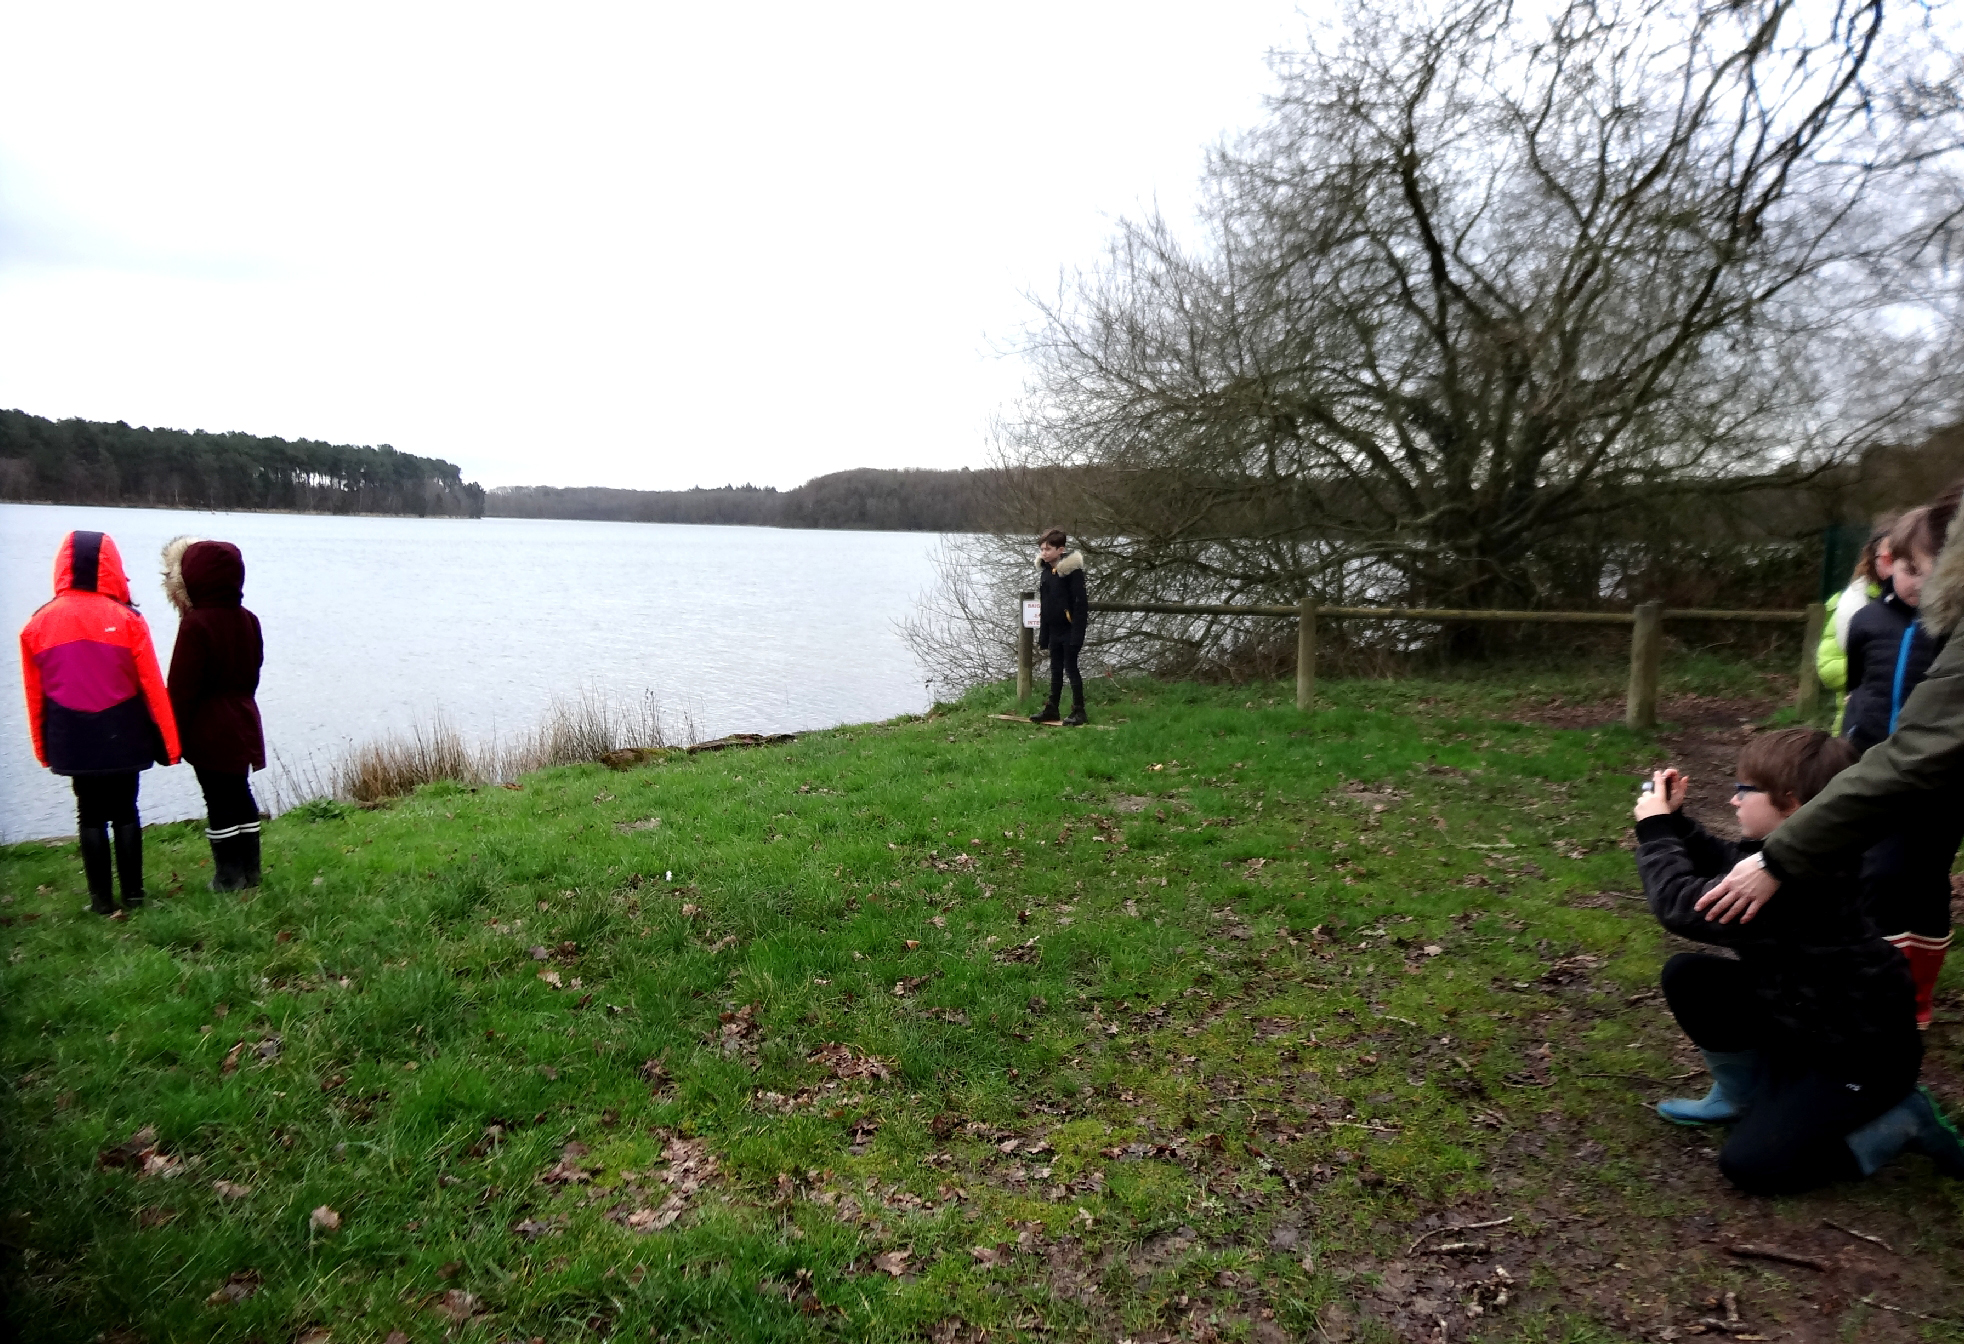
pixel 1213 1021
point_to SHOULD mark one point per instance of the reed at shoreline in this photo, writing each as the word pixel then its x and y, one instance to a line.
pixel 574 731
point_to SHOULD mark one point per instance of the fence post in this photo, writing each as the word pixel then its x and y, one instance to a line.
pixel 1025 653
pixel 1646 652
pixel 1808 698
pixel 1306 654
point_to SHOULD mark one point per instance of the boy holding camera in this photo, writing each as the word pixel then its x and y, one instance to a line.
pixel 1810 1035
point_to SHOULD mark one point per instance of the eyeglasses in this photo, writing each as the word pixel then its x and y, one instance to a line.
pixel 1741 790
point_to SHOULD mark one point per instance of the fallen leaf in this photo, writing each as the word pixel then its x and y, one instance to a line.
pixel 242 1284
pixel 846 1061
pixel 395 1337
pixel 569 1170
pixel 324 1219
pixel 455 1306
pixel 130 1151
pixel 231 1064
pixel 894 1262
pixel 231 1189
pixel 451 1269
pixel 551 977
pixel 986 1256
pixel 314 1334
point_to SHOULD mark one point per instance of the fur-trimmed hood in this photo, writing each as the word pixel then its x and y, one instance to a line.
pixel 174 588
pixel 1068 563
pixel 1942 603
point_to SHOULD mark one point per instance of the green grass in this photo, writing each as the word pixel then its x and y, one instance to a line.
pixel 1264 989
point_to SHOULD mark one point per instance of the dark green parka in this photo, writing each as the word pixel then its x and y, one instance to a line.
pixel 1919 766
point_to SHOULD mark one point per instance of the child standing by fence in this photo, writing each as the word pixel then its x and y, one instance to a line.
pixel 1874 565
pixel 1060 585
pixel 214 675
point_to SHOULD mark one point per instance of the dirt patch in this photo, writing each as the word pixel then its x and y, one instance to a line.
pixel 1700 735
pixel 1673 711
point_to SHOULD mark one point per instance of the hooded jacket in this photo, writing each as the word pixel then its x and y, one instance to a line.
pixel 214 666
pixel 96 701
pixel 1836 993
pixel 1920 764
pixel 1065 610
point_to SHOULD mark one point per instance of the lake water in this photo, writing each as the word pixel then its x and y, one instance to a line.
pixel 376 625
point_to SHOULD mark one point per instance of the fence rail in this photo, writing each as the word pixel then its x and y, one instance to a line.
pixel 1646 622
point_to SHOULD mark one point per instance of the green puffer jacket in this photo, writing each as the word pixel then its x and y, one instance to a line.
pixel 1922 761
pixel 1831 654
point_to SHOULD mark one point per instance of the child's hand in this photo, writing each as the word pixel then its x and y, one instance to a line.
pixel 1665 795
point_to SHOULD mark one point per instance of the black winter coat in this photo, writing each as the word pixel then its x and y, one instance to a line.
pixel 1875 641
pixel 1066 610
pixel 214 667
pixel 1832 988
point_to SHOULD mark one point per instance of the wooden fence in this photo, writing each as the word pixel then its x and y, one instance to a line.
pixel 1646 622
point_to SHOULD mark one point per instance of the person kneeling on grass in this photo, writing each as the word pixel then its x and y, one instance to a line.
pixel 1810 1035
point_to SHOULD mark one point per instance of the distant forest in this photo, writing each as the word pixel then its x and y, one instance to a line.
pixel 93 462
pixel 868 499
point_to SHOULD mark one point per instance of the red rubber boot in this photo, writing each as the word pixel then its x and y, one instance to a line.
pixel 1926 961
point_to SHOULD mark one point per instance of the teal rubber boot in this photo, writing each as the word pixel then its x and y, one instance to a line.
pixel 1735 1076
pixel 1915 1125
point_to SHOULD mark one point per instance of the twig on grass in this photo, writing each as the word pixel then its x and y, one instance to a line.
pixel 1748 1251
pixel 1829 1222
pixel 1870 1301
pixel 1463 1227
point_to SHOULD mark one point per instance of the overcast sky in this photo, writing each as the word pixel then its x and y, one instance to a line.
pixel 640 245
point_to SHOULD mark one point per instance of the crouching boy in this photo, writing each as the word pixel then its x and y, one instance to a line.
pixel 1810 1035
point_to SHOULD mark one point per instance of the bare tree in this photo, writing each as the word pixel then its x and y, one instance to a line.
pixel 1490 279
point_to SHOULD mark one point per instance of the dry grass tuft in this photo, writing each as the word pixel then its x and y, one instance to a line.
pixel 573 732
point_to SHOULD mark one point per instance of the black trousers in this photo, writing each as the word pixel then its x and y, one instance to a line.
pixel 1063 663
pixel 102 799
pixel 1906 878
pixel 229 804
pixel 1794 1136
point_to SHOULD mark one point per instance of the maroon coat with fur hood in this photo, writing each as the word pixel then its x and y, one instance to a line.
pixel 214 667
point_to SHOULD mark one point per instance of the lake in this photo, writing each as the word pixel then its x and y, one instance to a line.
pixel 376 625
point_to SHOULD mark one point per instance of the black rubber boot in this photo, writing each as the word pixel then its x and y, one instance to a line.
pixel 228 863
pixel 1077 718
pixel 96 868
pixel 129 862
pixel 249 859
pixel 1048 714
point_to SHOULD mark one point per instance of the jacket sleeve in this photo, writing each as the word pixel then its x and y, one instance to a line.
pixel 155 694
pixel 1830 659
pixel 1078 604
pixel 1680 861
pixel 30 676
pixel 1923 756
pixel 187 670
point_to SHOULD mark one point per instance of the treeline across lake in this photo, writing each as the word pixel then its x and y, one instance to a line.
pixel 868 499
pixel 96 462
